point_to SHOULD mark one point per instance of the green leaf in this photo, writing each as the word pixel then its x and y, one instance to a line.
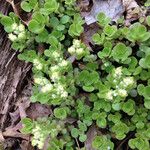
pixel 60 113
pixel 88 88
pixel 138 32
pixel 101 122
pixel 82 126
pixel 148 20
pixel 116 106
pixel 147 103
pixel 102 19
pixel 82 137
pixel 102 143
pixel 145 62
pixel 65 19
pixel 26 6
pixel 35 27
pixel 121 52
pixel 110 31
pixel 51 6
pixel 8 24
pixel 98 39
pixel 6 21
pixel 75 132
pixel 28 125
pixel 54 22
pixel 128 107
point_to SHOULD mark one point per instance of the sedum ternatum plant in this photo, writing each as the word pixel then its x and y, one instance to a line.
pixel 107 87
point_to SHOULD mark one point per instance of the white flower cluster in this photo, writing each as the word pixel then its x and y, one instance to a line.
pixel 37 64
pixel 122 87
pixel 56 75
pixel 76 49
pixel 118 72
pixel 118 92
pixel 60 90
pixel 18 32
pixel 39 137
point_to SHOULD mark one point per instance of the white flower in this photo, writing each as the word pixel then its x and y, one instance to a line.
pixel 21 35
pixel 12 37
pixel 122 92
pixel 54 68
pixel 64 94
pixel 56 54
pixel 76 43
pixel 14 26
pixel 54 96
pixel 118 72
pixel 37 64
pixel 115 81
pixel 64 63
pixel 71 50
pixel 21 27
pixel 106 64
pixel 109 95
pixel 46 88
pixel 55 76
pixel 80 51
pixel 108 148
pixel 128 81
pixel 115 93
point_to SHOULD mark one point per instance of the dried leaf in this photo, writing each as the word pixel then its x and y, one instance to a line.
pixel 14 132
pixel 26 145
pixel 112 8
pixel 133 10
pixel 86 36
pixel 90 136
pixel 83 4
pixel 38 110
pixel 14 117
pixel 1 137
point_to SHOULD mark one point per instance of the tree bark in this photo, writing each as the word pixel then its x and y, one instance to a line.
pixel 13 74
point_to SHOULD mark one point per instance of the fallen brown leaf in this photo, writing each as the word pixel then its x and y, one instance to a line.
pixel 37 110
pixel 133 11
pixel 90 136
pixel 112 8
pixel 14 132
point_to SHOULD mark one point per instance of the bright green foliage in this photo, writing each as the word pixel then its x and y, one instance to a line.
pixel 148 20
pixel 36 25
pixel 129 107
pixel 28 126
pixel 51 6
pixel 102 142
pixel 70 2
pixel 28 5
pixel 110 32
pixel 98 39
pixel 139 143
pixel 120 52
pixel 103 19
pixel 147 3
pixel 76 27
pixel 8 23
pixel 107 87
pixel 60 113
pixel 120 129
pixel 138 33
pixel 106 50
pixel 88 79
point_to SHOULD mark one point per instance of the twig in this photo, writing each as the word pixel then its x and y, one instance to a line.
pixel 11 2
pixel 77 143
